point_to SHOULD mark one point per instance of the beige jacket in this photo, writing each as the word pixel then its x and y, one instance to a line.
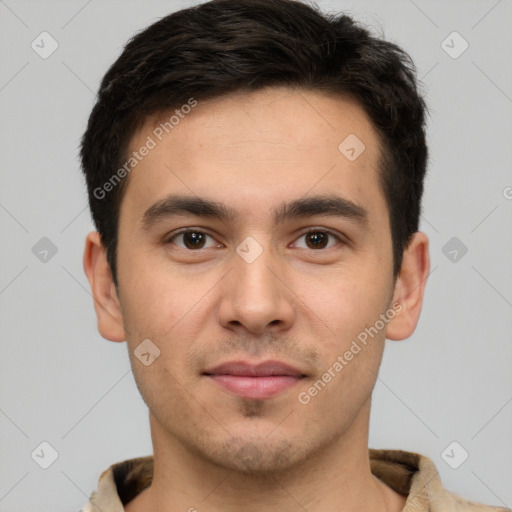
pixel 410 474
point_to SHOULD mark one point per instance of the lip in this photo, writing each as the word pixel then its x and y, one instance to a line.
pixel 256 381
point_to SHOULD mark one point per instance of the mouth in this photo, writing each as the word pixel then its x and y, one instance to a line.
pixel 256 381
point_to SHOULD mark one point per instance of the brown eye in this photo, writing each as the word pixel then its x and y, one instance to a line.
pixel 318 239
pixel 191 239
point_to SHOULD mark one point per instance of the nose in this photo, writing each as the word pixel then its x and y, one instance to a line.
pixel 255 297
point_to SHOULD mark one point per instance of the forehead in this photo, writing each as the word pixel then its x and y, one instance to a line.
pixel 258 147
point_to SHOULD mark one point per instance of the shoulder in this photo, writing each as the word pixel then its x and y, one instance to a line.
pixel 451 501
pixel 120 483
pixel 416 476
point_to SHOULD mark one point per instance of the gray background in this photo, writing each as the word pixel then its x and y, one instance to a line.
pixel 60 382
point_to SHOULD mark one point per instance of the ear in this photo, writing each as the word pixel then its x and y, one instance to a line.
pixel 106 301
pixel 409 288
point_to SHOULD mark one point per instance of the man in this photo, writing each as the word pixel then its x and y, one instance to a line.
pixel 255 171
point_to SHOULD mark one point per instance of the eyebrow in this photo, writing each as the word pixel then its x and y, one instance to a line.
pixel 329 205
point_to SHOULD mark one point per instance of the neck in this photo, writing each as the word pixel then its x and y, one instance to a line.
pixel 336 478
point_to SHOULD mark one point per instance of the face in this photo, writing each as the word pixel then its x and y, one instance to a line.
pixel 246 236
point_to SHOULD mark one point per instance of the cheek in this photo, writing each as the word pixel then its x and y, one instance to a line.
pixel 346 303
pixel 166 394
pixel 351 348
pixel 173 312
pixel 351 351
pixel 155 300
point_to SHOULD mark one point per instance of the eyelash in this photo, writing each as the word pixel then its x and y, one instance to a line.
pixel 332 234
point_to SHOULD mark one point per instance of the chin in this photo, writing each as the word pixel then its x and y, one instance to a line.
pixel 256 457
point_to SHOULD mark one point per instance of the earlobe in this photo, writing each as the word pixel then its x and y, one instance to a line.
pixel 410 287
pixel 106 301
